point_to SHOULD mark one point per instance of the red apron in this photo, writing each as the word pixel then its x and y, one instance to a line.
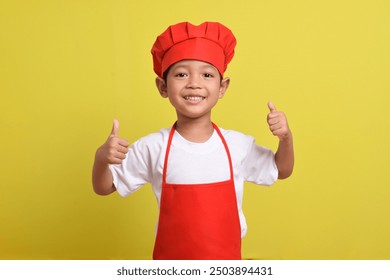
pixel 198 221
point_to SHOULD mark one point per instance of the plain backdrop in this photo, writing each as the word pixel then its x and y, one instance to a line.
pixel 68 68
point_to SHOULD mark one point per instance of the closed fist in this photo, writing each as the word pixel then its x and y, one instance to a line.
pixel 114 150
pixel 277 123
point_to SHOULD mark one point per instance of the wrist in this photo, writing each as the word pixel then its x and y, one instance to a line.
pixel 288 138
pixel 99 157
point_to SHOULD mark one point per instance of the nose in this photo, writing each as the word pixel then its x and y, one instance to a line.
pixel 194 81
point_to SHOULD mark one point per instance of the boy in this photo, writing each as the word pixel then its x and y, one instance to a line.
pixel 196 169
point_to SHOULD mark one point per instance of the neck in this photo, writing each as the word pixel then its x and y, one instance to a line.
pixel 197 131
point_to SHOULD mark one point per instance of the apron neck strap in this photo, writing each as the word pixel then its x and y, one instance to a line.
pixel 172 132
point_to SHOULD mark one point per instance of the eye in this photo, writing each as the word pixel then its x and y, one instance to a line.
pixel 180 75
pixel 208 75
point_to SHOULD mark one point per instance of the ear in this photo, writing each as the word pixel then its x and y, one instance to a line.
pixel 223 87
pixel 162 87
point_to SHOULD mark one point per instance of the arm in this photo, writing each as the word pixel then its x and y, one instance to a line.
pixel 284 156
pixel 113 151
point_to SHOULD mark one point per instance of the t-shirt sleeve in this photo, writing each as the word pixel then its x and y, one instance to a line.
pixel 259 165
pixel 133 172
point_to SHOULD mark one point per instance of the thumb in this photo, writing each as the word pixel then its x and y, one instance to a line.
pixel 115 128
pixel 271 107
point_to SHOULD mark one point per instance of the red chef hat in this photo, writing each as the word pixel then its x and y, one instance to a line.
pixel 210 42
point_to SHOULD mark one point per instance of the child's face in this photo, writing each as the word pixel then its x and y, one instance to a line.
pixel 193 88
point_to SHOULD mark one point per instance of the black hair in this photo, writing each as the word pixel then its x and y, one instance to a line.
pixel 165 74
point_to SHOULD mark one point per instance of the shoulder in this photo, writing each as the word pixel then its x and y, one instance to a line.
pixel 153 140
pixel 239 143
pixel 236 138
pixel 155 136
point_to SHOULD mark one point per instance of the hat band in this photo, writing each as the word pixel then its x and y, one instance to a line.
pixel 197 49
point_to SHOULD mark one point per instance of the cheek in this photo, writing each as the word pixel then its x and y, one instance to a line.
pixel 174 88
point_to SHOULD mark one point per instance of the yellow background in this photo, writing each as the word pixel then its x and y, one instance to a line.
pixel 68 68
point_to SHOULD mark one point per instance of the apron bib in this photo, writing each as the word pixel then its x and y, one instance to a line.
pixel 198 221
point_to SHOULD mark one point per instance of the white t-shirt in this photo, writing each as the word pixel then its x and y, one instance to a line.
pixel 195 163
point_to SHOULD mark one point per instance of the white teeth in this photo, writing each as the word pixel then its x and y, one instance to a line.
pixel 194 98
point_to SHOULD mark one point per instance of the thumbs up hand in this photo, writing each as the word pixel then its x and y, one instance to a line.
pixel 277 122
pixel 114 150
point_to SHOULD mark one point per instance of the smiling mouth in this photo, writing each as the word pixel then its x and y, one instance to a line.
pixel 194 98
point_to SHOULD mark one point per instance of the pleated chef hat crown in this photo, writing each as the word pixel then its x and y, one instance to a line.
pixel 210 42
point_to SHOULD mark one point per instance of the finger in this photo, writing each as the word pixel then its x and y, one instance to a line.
pixel 271 107
pixel 281 132
pixel 122 149
pixel 115 161
pixel 116 157
pixel 122 142
pixel 120 156
pixel 115 128
pixel 273 120
pixel 275 127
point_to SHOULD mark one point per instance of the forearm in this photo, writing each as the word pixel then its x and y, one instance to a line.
pixel 102 179
pixel 284 157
